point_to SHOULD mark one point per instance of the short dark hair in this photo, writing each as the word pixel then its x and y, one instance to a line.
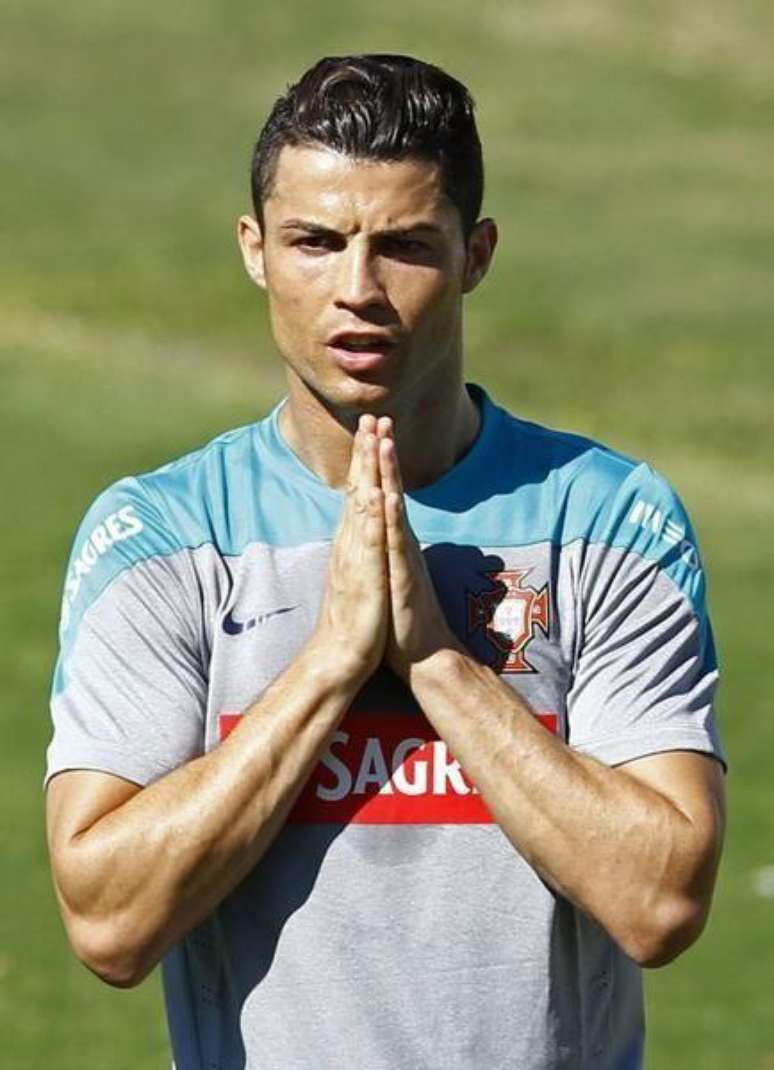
pixel 378 107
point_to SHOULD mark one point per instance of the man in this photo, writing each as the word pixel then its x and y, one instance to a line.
pixel 376 806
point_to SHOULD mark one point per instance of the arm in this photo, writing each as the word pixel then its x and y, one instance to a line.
pixel 636 847
pixel 135 869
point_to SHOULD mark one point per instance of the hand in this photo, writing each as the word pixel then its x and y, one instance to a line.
pixel 355 607
pixel 418 627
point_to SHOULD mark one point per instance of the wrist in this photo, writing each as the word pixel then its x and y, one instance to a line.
pixel 336 665
pixel 445 667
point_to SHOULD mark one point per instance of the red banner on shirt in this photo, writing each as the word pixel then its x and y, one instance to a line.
pixel 388 769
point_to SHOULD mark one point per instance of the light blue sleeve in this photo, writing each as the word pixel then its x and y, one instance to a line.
pixel 129 689
pixel 645 673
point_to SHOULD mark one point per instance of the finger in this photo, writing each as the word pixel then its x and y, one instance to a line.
pixel 396 528
pixel 398 532
pixel 353 475
pixel 384 427
pixel 366 425
pixel 369 469
pixel 389 469
pixel 402 546
pixel 401 573
pixel 375 520
pixel 369 463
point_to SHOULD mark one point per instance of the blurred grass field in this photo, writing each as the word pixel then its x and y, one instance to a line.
pixel 630 150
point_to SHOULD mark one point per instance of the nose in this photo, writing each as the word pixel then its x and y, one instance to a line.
pixel 359 286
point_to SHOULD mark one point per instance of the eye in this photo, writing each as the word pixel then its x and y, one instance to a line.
pixel 410 250
pixel 406 245
pixel 311 241
pixel 318 243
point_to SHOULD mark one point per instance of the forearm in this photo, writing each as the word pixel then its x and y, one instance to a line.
pixel 135 869
pixel 615 847
pixel 142 876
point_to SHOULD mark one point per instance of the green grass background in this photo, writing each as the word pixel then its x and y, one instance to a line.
pixel 631 167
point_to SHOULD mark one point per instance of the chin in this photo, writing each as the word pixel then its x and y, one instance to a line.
pixel 354 395
pixel 362 388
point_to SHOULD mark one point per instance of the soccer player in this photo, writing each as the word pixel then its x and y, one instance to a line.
pixel 385 722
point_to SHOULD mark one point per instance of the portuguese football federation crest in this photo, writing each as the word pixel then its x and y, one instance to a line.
pixel 509 614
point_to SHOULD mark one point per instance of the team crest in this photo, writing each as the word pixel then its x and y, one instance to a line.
pixel 509 614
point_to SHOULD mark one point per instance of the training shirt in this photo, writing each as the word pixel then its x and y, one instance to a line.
pixel 391 923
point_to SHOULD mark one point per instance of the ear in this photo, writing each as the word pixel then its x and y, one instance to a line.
pixel 250 240
pixel 481 247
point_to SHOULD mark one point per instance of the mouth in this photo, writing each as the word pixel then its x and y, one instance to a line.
pixel 360 351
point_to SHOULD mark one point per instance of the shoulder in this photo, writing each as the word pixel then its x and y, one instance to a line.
pixel 569 459
pixel 606 498
pixel 188 488
pixel 153 515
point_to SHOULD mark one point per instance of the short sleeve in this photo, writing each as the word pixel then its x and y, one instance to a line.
pixel 645 671
pixel 129 690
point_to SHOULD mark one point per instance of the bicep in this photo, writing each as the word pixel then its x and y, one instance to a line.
pixel 645 676
pixel 130 691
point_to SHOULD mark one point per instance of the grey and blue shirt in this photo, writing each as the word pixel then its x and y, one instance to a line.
pixel 391 924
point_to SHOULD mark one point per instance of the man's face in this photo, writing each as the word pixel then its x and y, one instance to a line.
pixel 364 264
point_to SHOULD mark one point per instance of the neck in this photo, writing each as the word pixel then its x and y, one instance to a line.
pixel 431 432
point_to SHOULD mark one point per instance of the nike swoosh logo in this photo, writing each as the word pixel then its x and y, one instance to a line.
pixel 236 627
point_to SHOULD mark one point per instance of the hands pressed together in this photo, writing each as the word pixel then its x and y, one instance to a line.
pixel 379 602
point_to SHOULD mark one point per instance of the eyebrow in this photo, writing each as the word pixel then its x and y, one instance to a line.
pixel 304 224
pixel 310 227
